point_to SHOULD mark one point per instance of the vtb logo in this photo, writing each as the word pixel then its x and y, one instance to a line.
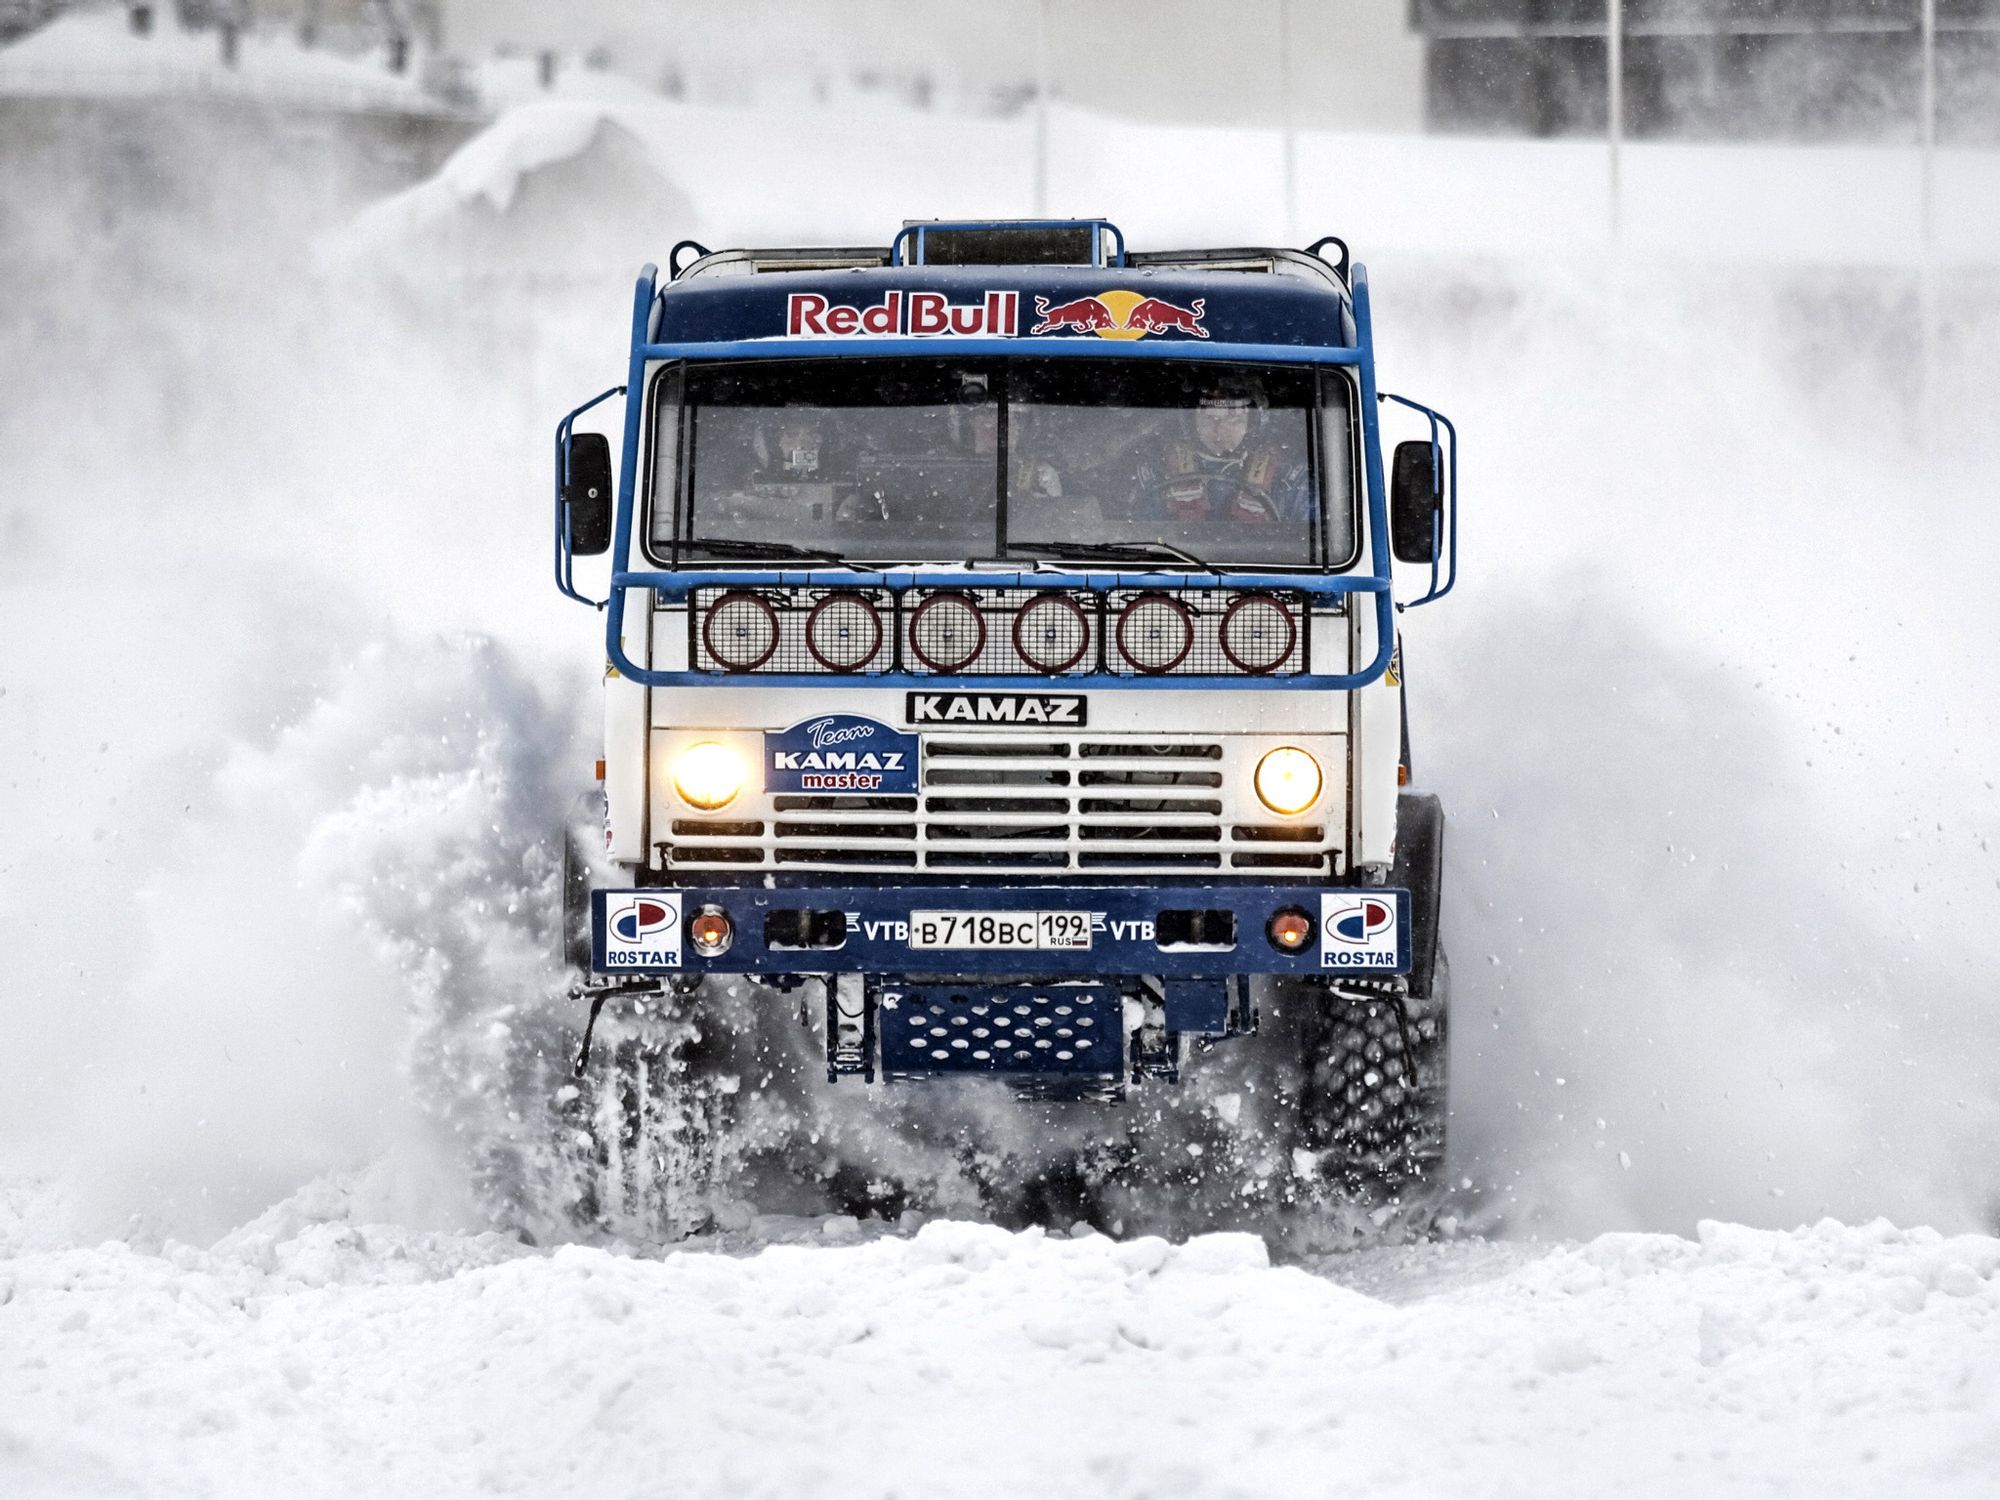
pixel 1361 921
pixel 641 918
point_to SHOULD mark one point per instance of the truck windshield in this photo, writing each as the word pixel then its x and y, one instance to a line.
pixel 928 460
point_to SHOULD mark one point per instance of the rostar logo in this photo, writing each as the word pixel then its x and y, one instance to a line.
pixel 1120 315
pixel 1359 922
pixel 642 918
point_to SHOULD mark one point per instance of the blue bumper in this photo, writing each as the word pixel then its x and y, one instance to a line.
pixel 1049 931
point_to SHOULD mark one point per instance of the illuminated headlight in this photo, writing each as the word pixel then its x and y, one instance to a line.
pixel 708 775
pixel 1288 780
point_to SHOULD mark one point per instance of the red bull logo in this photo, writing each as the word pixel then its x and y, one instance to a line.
pixel 808 315
pixel 1119 315
pixel 908 314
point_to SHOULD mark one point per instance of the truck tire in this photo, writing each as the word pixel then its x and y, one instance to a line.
pixel 1372 1106
pixel 1373 1101
pixel 1419 869
pixel 583 842
pixel 648 1121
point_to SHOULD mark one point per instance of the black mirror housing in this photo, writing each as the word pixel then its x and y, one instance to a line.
pixel 587 491
pixel 1416 501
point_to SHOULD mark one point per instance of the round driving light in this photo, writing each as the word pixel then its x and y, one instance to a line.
pixel 843 631
pixel 946 632
pixel 740 632
pixel 1155 633
pixel 1288 780
pixel 1051 633
pixel 1257 633
pixel 711 932
pixel 708 775
pixel 1289 930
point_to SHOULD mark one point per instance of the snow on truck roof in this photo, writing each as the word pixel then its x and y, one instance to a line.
pixel 1006 281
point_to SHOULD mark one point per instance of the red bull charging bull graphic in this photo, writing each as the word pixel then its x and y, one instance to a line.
pixel 1120 315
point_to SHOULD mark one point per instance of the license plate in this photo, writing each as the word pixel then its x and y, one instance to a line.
pixel 999 931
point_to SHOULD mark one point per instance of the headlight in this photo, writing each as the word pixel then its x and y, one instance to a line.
pixel 1288 780
pixel 708 775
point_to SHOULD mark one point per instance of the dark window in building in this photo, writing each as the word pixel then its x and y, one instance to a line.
pixel 1805 70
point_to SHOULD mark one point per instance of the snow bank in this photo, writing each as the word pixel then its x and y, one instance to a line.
pixel 312 1355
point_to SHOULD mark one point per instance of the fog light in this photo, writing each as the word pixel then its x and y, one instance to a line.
pixel 711 932
pixel 1290 930
pixel 708 775
pixel 1288 780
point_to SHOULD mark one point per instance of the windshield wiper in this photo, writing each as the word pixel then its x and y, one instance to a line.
pixel 1132 551
pixel 741 547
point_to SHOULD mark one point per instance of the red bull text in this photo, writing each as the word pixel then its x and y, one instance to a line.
pixel 909 314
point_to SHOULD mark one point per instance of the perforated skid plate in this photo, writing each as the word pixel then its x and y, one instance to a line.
pixel 1070 1029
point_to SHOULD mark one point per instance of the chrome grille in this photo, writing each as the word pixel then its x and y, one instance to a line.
pixel 1026 804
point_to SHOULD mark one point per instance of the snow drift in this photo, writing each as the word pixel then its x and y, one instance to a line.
pixel 313 1354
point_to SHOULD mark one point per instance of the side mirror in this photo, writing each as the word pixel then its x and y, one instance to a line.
pixel 587 489
pixel 1416 501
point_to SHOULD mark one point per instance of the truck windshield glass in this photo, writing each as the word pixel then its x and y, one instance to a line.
pixel 933 460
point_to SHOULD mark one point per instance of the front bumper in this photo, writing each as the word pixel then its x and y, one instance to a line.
pixel 1047 931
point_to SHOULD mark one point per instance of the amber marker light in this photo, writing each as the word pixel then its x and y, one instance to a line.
pixel 711 932
pixel 1290 930
pixel 1288 780
pixel 708 775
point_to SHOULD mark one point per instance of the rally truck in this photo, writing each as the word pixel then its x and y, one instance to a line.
pixel 1004 693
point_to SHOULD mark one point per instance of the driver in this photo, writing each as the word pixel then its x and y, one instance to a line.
pixel 794 455
pixel 1223 471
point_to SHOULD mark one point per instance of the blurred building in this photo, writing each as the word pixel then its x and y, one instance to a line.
pixel 1336 64
pixel 1784 70
pixel 19 17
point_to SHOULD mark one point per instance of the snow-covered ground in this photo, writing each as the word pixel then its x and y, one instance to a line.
pixel 310 1355
pixel 288 711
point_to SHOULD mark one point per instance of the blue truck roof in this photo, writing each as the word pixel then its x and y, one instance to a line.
pixel 1277 298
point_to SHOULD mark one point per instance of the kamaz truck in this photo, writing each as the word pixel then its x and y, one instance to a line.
pixel 1004 698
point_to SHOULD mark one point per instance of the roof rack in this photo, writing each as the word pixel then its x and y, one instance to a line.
pixel 758 262
pixel 1013 242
